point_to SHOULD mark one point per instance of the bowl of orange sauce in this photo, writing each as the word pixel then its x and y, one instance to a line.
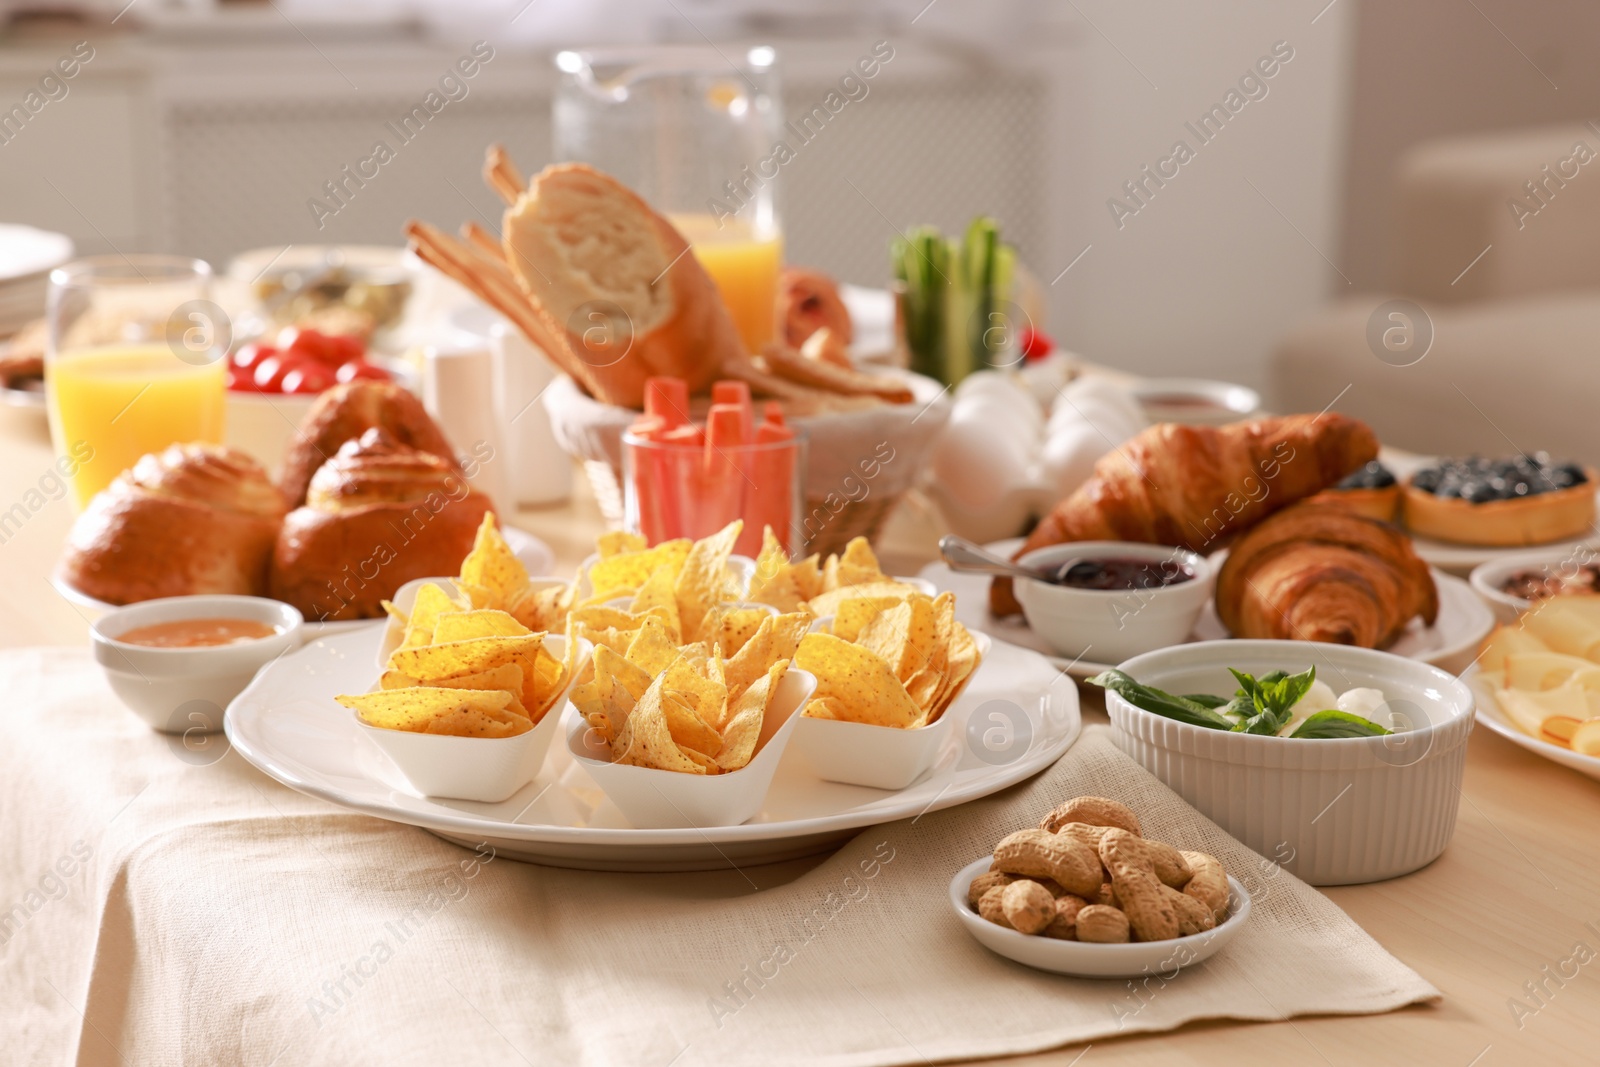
pixel 177 662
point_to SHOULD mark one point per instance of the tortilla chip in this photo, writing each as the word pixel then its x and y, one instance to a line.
pixel 775 580
pixel 736 626
pixel 746 717
pixel 431 602
pixel 480 622
pixel 776 638
pixel 616 542
pixel 624 573
pixel 658 595
pixel 543 609
pixel 492 565
pixel 438 661
pixel 645 739
pixel 862 685
pixel 688 729
pixel 465 712
pixel 854 613
pixel 828 602
pixel 902 635
pixel 653 648
pixel 858 565
pixel 704 580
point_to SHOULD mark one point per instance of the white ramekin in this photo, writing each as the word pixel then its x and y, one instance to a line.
pixel 1488 579
pixel 1332 812
pixel 1106 626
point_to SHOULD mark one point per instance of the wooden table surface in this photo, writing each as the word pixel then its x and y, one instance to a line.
pixel 1499 923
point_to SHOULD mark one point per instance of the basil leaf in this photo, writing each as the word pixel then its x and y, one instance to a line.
pixel 1153 700
pixel 1333 723
pixel 1206 700
pixel 1248 686
pixel 1294 687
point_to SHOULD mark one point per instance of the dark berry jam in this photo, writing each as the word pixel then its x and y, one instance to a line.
pixel 1117 575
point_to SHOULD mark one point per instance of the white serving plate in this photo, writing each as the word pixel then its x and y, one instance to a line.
pixel 534 554
pixel 1450 643
pixel 1083 959
pixel 287 724
pixel 1491 715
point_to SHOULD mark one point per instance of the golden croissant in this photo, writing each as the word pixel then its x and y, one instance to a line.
pixel 1198 486
pixel 1318 572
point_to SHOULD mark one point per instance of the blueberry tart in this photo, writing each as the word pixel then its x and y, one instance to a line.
pixel 1371 490
pixel 1522 500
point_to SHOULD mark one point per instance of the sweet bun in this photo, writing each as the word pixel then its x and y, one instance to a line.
pixel 196 518
pixel 347 411
pixel 377 515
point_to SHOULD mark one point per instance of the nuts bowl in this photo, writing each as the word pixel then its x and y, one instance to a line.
pixel 1110 625
pixel 1082 959
pixel 1488 580
pixel 1346 810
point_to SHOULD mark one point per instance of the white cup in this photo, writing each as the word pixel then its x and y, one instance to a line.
pixel 538 471
pixel 458 389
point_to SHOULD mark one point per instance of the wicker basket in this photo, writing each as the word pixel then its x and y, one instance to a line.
pixel 858 464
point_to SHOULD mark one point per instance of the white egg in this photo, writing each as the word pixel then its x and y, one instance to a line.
pixel 1098 395
pixel 977 466
pixel 1068 456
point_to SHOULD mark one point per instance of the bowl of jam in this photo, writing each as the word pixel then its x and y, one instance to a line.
pixel 178 661
pixel 1107 601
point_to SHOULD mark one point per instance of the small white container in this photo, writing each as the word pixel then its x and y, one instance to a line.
pixel 1110 625
pixel 1488 579
pixel 653 799
pixel 1335 811
pixel 1083 959
pixel 487 769
pixel 405 598
pixel 1196 401
pixel 879 757
pixel 185 690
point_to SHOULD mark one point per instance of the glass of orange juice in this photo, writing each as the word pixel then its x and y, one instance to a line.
pixel 697 132
pixel 135 362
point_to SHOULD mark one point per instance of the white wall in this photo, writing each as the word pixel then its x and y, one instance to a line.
pixel 1208 275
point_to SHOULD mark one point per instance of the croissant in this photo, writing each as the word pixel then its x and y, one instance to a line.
pixel 195 518
pixel 347 411
pixel 377 515
pixel 1198 486
pixel 1319 572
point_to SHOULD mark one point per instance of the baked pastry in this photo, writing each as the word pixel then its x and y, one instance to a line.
pixel 1198 486
pixel 377 515
pixel 1525 500
pixel 1318 572
pixel 613 284
pixel 195 518
pixel 808 300
pixel 818 374
pixel 1372 491
pixel 347 411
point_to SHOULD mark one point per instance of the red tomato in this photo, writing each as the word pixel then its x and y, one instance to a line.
pixel 242 380
pixel 269 373
pixel 303 342
pixel 1035 344
pixel 360 368
pixel 341 349
pixel 248 356
pixel 308 376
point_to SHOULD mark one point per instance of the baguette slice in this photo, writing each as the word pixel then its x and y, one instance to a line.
pixel 785 362
pixel 616 283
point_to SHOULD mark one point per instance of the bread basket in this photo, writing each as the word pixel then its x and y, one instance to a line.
pixel 858 463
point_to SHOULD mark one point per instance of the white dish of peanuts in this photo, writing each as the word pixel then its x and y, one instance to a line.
pixel 1085 894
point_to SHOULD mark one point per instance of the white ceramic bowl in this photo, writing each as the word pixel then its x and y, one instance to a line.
pixel 1209 403
pixel 654 799
pixel 1336 811
pixel 1108 626
pixel 184 690
pixel 879 757
pixel 488 769
pixel 1487 579
pixel 1084 959
pixel 406 597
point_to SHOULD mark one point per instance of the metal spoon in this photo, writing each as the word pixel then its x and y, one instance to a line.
pixel 962 555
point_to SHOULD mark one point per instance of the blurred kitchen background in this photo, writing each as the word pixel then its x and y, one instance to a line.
pixel 205 127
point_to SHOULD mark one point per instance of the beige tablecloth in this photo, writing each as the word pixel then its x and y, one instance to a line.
pixel 176 907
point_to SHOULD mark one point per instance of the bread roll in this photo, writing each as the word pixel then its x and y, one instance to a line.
pixel 377 515
pixel 616 283
pixel 347 411
pixel 196 518
pixel 808 300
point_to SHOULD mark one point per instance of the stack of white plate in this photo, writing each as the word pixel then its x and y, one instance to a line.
pixel 27 256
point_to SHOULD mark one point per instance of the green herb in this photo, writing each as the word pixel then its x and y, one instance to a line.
pixel 1181 708
pixel 1259 706
pixel 1332 723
